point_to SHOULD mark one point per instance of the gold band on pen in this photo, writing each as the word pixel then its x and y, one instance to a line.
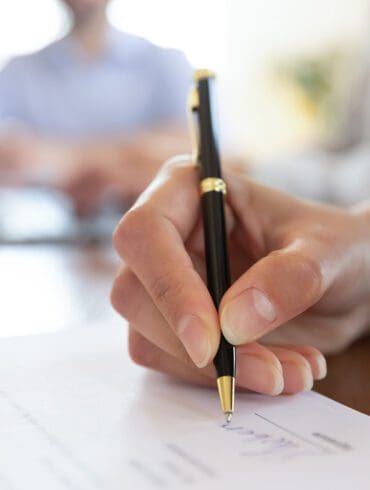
pixel 213 184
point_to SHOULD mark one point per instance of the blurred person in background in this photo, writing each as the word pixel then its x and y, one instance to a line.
pixel 95 112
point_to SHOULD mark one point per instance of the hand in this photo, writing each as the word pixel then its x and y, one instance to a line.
pixel 17 148
pixel 25 150
pixel 84 171
pixel 290 259
pixel 90 181
pixel 26 158
pixel 114 169
pixel 89 172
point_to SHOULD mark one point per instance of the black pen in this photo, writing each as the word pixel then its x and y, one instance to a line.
pixel 213 190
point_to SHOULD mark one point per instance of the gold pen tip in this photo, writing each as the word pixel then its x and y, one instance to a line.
pixel 228 417
pixel 226 390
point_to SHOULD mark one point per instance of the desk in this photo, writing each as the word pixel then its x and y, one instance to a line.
pixel 348 379
pixel 48 288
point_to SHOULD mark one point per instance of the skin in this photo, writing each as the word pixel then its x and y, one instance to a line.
pixel 89 172
pixel 300 282
pixel 83 8
pixel 118 169
pixel 89 21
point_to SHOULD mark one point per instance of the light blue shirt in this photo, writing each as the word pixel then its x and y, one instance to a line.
pixel 133 85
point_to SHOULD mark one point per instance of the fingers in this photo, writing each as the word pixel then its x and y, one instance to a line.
pixel 259 370
pixel 275 289
pixel 297 370
pixel 329 333
pixel 273 370
pixel 263 369
pixel 195 242
pixel 258 206
pixel 131 300
pixel 150 238
pixel 146 354
pixel 162 285
pixel 313 356
pixel 270 371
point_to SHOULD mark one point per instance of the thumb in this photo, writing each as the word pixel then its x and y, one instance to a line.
pixel 275 289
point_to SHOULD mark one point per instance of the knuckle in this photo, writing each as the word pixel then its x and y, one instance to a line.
pixel 182 170
pixel 141 351
pixel 123 294
pixel 306 274
pixel 128 234
pixel 329 339
pixel 310 351
pixel 135 349
pixel 161 288
pixel 165 288
pixel 312 276
pixel 178 163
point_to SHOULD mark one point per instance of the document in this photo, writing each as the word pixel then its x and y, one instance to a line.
pixel 76 414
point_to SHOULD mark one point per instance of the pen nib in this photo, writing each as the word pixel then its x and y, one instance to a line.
pixel 228 417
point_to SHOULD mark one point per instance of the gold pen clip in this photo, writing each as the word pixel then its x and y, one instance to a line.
pixel 193 104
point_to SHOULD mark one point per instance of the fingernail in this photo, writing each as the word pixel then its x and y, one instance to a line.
pixel 298 378
pixel 193 334
pixel 308 380
pixel 258 375
pixel 321 367
pixel 247 316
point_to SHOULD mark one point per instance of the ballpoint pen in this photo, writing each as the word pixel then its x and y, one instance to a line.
pixel 213 190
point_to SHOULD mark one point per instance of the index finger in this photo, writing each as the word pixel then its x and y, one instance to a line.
pixel 150 238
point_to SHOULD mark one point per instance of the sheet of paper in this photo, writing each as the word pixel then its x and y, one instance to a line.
pixel 76 414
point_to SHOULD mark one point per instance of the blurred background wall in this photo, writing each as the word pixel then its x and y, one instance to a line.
pixel 286 68
pixel 292 65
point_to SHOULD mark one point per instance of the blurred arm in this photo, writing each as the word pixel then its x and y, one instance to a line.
pixel 122 166
pixel 339 178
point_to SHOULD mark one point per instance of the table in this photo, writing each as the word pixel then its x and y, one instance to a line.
pixel 348 379
pixel 46 288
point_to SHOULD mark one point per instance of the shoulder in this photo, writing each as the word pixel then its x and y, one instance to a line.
pixel 28 63
pixel 142 50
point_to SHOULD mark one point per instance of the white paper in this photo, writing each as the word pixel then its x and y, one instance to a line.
pixel 76 414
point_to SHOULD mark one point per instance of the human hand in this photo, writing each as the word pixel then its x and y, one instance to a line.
pixel 115 169
pixel 88 187
pixel 290 260
pixel 16 149
pixel 27 158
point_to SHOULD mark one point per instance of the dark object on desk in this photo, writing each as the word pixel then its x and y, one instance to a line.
pixel 38 216
pixel 213 189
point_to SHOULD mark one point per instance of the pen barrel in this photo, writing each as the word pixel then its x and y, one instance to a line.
pixel 218 273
